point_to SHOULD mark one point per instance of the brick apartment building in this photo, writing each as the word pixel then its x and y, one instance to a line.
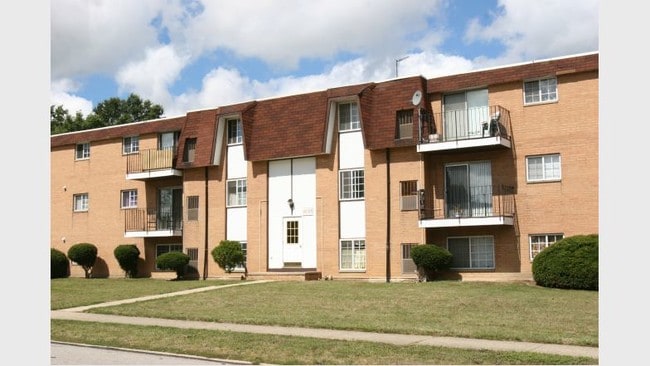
pixel 493 165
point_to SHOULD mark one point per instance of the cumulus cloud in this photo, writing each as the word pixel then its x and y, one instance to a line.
pixel 62 93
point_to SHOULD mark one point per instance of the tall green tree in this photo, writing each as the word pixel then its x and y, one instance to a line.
pixel 110 112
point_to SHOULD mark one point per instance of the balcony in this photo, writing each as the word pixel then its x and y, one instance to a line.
pixel 483 206
pixel 478 127
pixel 152 222
pixel 151 164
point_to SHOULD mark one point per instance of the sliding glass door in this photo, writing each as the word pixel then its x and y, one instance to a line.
pixel 468 190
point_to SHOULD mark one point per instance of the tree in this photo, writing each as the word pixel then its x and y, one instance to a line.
pixel 127 256
pixel 110 112
pixel 85 255
pixel 59 264
pixel 228 255
pixel 176 261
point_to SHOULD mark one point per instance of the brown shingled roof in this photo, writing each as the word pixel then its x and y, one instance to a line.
pixel 500 75
pixel 119 131
pixel 286 127
pixel 199 125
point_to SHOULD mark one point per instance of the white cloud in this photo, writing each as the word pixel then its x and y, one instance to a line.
pixel 61 93
pixel 540 29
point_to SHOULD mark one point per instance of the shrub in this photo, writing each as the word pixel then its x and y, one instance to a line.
pixel 176 261
pixel 571 263
pixel 127 256
pixel 59 264
pixel 228 255
pixel 430 259
pixel 85 255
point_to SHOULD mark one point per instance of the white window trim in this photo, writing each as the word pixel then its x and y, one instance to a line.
pixel 84 203
pixel 237 193
pixel 240 131
pixel 133 148
pixel 557 94
pixel 352 185
pixel 365 263
pixel 85 152
pixel 244 245
pixel 338 116
pixel 543 179
pixel 546 243
pixel 470 254
pixel 129 191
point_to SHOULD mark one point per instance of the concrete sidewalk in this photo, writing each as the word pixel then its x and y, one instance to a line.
pixel 396 339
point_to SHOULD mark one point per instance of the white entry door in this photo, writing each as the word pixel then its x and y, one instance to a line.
pixel 292 246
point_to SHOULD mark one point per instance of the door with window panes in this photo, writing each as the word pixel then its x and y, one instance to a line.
pixel 292 246
pixel 468 190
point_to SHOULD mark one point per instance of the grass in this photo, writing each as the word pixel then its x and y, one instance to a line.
pixel 499 311
pixel 285 350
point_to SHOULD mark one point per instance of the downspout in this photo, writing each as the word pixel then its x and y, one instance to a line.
pixel 205 251
pixel 387 215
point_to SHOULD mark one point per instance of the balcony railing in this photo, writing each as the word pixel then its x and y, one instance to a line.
pixel 153 220
pixel 148 160
pixel 479 202
pixel 471 123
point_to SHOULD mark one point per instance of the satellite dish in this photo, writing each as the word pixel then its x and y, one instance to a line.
pixel 417 98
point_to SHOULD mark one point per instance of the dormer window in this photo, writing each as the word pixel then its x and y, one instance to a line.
pixel 234 131
pixel 349 117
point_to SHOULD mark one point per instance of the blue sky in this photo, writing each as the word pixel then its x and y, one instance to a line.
pixel 190 54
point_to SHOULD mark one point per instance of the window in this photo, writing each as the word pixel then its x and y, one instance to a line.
pixel 353 255
pixel 234 131
pixel 539 91
pixel 129 198
pixel 130 145
pixel 236 193
pixel 190 148
pixel 166 248
pixel 82 151
pixel 80 202
pixel 351 184
pixel 540 241
pixel 543 168
pixel 193 253
pixel 349 117
pixel 292 232
pixel 240 267
pixel 408 266
pixel 405 124
pixel 408 195
pixel 192 208
pixel 475 252
pixel 168 140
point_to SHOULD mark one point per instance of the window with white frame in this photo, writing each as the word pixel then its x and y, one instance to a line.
pixel 543 168
pixel 234 131
pixel 353 254
pixel 130 145
pixel 540 91
pixel 166 248
pixel 292 231
pixel 82 151
pixel 540 241
pixel 80 202
pixel 236 193
pixel 473 252
pixel 240 266
pixel 351 184
pixel 129 198
pixel 348 116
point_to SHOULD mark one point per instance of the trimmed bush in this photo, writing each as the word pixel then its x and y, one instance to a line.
pixel 571 263
pixel 85 255
pixel 176 261
pixel 430 259
pixel 127 256
pixel 59 264
pixel 228 255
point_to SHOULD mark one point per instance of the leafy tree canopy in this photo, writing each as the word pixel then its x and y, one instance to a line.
pixel 110 112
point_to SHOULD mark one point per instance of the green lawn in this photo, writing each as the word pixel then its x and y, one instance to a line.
pixel 500 311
